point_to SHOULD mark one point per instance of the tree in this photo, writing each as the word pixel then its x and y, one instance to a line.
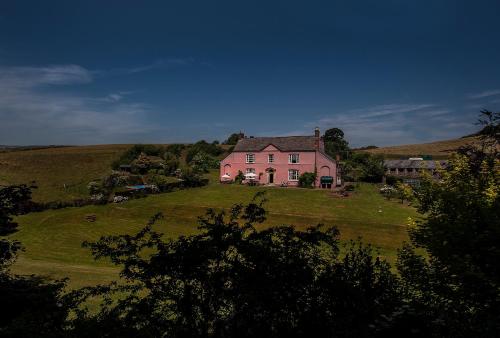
pixel 202 146
pixel 30 306
pixel 175 149
pixel 232 139
pixel 454 290
pixel 135 151
pixel 202 162
pixel 231 279
pixel 335 144
pixel 365 167
pixel 404 192
pixel 12 200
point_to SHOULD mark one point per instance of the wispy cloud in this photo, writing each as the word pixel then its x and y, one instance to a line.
pixel 158 64
pixel 33 110
pixel 25 77
pixel 395 124
pixel 486 93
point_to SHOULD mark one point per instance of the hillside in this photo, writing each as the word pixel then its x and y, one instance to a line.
pixel 439 149
pixel 63 173
pixel 53 238
pixel 59 173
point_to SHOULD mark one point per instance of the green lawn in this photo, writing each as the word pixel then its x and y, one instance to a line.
pixel 53 238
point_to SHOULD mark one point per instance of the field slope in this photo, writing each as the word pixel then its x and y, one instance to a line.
pixel 439 149
pixel 59 173
pixel 53 238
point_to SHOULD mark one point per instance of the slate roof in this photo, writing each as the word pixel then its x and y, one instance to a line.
pixel 416 164
pixel 288 143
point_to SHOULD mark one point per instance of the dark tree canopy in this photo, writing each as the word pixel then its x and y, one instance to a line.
pixel 233 280
pixel 29 306
pixel 232 139
pixel 335 144
pixel 203 146
pixel 456 291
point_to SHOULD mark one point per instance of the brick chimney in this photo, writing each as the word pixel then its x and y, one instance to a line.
pixel 337 158
pixel 316 138
pixel 241 136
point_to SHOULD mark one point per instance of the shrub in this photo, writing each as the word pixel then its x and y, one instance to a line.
pixel 175 149
pixel 307 179
pixel 158 180
pixel 388 191
pixel 202 162
pixel 392 180
pixel 133 153
pixel 202 146
pixel 232 280
pixel 240 177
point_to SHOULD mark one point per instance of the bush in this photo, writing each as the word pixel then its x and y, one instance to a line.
pixel 365 167
pixel 392 180
pixel 232 280
pixel 175 149
pixel 202 146
pixel 306 180
pixel 133 153
pixel 388 191
pixel 240 177
pixel 202 162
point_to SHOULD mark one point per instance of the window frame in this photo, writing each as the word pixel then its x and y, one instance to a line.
pixel 291 156
pixel 290 178
pixel 249 170
pixel 270 158
pixel 248 156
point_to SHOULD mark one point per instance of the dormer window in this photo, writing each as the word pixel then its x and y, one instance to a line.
pixel 293 158
pixel 250 158
pixel 270 158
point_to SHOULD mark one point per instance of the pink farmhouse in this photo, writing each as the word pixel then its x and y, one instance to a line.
pixel 281 160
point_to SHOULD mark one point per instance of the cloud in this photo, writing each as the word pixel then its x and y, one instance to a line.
pixel 158 64
pixel 483 94
pixel 26 77
pixel 389 109
pixel 33 110
pixel 393 124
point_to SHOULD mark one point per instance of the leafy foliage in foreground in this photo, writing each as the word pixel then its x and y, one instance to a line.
pixel 456 292
pixel 29 306
pixel 232 280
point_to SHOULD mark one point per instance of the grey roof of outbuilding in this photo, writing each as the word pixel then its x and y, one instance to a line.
pixel 288 143
pixel 427 164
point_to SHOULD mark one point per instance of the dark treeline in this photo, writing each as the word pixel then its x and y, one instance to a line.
pixel 233 280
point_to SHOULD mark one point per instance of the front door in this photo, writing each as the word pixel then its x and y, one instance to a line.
pixel 271 178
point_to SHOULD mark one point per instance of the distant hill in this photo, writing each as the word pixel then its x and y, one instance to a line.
pixel 438 150
pixel 4 148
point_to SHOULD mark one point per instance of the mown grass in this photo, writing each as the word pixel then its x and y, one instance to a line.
pixel 53 238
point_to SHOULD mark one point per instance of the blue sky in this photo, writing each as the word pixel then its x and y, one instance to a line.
pixel 386 72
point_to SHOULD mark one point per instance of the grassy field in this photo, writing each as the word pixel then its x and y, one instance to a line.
pixel 439 150
pixel 63 173
pixel 53 238
pixel 60 173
